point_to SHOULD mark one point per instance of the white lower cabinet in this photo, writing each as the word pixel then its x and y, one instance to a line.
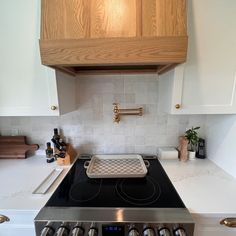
pixel 209 225
pixel 206 83
pixel 28 88
pixel 21 223
pixel 17 230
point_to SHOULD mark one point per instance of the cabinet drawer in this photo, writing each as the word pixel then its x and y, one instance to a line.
pixel 18 218
pixel 209 225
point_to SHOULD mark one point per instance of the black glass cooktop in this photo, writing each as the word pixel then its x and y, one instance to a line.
pixel 154 190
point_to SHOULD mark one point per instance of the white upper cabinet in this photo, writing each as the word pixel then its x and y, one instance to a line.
pixel 26 87
pixel 206 83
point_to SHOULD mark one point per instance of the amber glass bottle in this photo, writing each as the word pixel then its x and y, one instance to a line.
pixel 49 150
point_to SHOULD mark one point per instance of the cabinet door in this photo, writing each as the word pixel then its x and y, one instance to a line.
pixel 209 225
pixel 164 18
pixel 209 78
pixel 18 230
pixel 90 19
pixel 21 223
pixel 26 87
pixel 114 18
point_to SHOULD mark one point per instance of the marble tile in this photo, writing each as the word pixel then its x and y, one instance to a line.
pixel 91 128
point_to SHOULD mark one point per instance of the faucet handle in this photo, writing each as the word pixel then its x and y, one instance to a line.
pixel 116 108
pixel 115 104
pixel 116 113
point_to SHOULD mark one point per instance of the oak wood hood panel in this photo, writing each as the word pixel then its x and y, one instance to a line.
pixel 100 33
pixel 114 51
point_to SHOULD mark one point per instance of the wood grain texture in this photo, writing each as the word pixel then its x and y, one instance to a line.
pixel 12 139
pixel 69 157
pixel 139 16
pixel 171 18
pixel 149 18
pixel 164 18
pixel 52 19
pixel 75 19
pixel 15 147
pixel 113 18
pixel 63 19
pixel 77 33
pixel 116 51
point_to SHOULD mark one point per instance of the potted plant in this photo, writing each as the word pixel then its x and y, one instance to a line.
pixel 192 136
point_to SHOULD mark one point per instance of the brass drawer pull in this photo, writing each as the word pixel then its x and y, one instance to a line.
pixel 3 219
pixel 229 222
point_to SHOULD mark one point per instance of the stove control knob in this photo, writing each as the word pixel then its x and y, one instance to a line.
pixel 148 232
pixel 47 231
pixel 62 231
pixel 164 232
pixel 77 231
pixel 179 232
pixel 133 232
pixel 93 231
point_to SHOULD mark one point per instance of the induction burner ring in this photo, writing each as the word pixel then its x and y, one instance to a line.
pixel 86 193
pixel 122 183
pixel 138 191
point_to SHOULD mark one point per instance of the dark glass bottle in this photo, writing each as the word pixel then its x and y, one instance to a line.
pixel 201 152
pixel 56 135
pixel 49 150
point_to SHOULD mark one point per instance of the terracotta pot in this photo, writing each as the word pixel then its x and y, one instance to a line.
pixel 183 151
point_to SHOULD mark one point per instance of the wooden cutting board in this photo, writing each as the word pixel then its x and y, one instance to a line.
pixel 15 147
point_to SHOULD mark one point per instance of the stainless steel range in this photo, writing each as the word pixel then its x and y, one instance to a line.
pixel 148 206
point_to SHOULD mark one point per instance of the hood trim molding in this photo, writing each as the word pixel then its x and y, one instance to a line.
pixel 114 51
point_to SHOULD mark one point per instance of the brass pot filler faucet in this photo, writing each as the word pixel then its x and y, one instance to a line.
pixel 121 112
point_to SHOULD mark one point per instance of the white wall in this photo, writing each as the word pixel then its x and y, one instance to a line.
pixel 221 141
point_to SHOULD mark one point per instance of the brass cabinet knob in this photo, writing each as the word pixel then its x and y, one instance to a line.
pixel 229 222
pixel 3 219
pixel 53 108
pixel 177 106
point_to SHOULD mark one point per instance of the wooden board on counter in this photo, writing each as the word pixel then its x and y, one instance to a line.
pixel 15 147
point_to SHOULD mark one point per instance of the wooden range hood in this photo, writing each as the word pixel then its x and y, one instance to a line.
pixel 81 36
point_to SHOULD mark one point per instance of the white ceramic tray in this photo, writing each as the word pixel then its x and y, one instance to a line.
pixel 116 166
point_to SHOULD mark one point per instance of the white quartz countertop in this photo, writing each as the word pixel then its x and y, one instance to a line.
pixel 204 187
pixel 20 177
